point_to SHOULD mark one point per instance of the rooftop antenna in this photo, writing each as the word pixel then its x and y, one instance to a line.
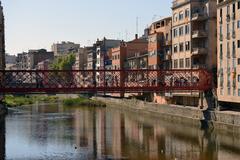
pixel 126 35
pixel 137 25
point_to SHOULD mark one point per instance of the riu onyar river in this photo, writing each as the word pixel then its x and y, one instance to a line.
pixel 53 132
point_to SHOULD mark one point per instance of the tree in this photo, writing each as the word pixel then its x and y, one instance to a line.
pixel 64 63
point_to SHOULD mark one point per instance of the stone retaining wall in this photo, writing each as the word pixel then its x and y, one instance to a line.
pixel 217 119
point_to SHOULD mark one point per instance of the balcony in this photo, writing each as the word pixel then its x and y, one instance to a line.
pixel 221 37
pixel 233 34
pixel 168 43
pixel 234 53
pixel 228 36
pixel 199 51
pixel 177 4
pixel 233 16
pixel 199 34
pixel 228 18
pixel 220 21
pixel 228 53
pixel 199 17
pixel 220 71
pixel 168 56
pixel 199 66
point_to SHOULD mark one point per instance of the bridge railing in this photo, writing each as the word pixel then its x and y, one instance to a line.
pixel 31 81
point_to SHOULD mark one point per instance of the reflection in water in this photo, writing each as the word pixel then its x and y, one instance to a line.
pixel 2 139
pixel 109 134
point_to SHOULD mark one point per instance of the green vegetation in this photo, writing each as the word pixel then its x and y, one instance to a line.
pixel 64 62
pixel 83 102
pixel 14 101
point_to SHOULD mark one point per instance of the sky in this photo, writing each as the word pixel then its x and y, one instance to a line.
pixel 35 24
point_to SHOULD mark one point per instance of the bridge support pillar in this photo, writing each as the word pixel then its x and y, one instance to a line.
pixel 201 105
pixel 3 109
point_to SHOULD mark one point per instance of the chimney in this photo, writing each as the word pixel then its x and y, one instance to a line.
pixel 136 36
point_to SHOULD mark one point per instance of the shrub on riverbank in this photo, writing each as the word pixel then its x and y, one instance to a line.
pixel 83 102
pixel 14 101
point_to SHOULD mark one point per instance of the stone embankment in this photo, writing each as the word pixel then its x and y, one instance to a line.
pixel 220 120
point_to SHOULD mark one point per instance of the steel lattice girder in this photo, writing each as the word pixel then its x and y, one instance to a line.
pixel 97 81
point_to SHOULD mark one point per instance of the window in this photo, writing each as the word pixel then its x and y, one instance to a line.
pixel 233 8
pixel 180 16
pixel 181 65
pixel 238 61
pixel 220 30
pixel 233 26
pixel 175 17
pixel 175 32
pixel 187 13
pixel 187 63
pixel 221 51
pixel 238 43
pixel 181 47
pixel 238 24
pixel 228 9
pixel 238 78
pixel 180 31
pixel 187 29
pixel 187 46
pixel 228 29
pixel 175 63
pixel 238 4
pixel 238 92
pixel 175 48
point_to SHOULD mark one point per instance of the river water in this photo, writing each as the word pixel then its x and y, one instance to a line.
pixel 56 133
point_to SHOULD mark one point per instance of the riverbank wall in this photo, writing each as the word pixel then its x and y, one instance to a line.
pixel 220 120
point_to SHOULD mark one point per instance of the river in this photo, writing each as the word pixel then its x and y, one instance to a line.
pixel 56 133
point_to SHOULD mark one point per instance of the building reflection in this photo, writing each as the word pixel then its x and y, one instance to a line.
pixel 115 135
pixel 2 139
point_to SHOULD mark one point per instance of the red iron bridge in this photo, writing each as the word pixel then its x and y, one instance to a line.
pixel 103 81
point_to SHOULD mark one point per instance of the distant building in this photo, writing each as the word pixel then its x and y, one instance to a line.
pixel 10 62
pixel 31 59
pixel 228 24
pixel 160 50
pixel 81 58
pixel 160 43
pixel 10 59
pixel 127 55
pixel 64 48
pixel 44 65
pixel 102 48
pixel 2 39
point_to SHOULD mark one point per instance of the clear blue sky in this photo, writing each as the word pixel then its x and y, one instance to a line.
pixel 33 24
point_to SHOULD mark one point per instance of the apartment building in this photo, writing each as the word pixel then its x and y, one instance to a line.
pixel 193 40
pixel 2 39
pixel 31 59
pixel 159 50
pixel 102 48
pixel 129 55
pixel 228 24
pixel 64 48
pixel 81 58
pixel 160 44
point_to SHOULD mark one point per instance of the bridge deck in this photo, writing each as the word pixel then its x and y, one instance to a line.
pixel 98 81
